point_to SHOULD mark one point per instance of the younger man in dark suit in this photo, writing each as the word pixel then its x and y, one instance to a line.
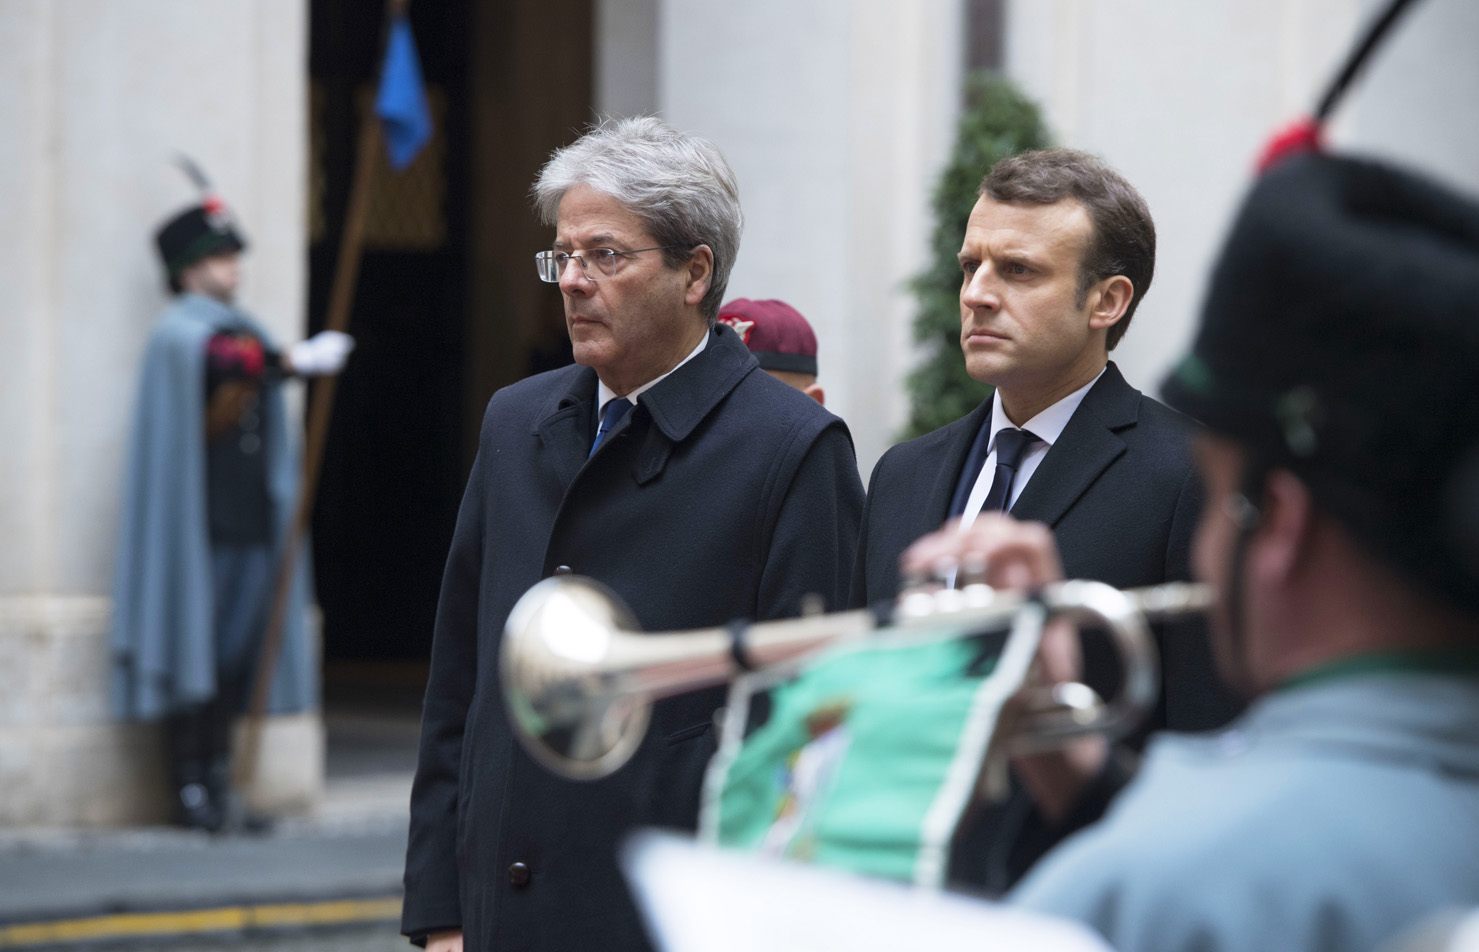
pixel 1339 539
pixel 1057 254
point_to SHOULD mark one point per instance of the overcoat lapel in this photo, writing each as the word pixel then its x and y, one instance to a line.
pixel 686 397
pixel 1089 444
pixel 565 430
pixel 676 406
pixel 690 393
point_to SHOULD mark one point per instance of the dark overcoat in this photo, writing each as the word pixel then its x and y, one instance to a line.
pixel 724 494
pixel 1121 494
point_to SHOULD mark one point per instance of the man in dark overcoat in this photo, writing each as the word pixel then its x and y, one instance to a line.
pixel 1057 254
pixel 666 465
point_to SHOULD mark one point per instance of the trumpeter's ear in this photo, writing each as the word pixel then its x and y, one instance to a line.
pixel 1285 527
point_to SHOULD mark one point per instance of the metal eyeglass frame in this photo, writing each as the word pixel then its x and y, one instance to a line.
pixel 551 264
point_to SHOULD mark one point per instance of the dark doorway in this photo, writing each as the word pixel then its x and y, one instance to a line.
pixel 392 466
pixel 447 306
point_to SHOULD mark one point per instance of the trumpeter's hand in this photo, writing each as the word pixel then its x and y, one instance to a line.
pixel 1020 556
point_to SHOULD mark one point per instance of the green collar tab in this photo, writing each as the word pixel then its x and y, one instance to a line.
pixel 1454 661
pixel 1195 375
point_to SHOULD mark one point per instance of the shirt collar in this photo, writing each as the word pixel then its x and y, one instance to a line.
pixel 1048 424
pixel 605 394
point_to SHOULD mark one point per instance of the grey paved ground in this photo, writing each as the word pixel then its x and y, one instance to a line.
pixel 69 875
pixel 353 847
pixel 380 939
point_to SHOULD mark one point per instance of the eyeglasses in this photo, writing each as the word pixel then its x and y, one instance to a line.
pixel 551 264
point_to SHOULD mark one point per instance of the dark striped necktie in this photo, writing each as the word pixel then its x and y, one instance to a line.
pixel 1011 446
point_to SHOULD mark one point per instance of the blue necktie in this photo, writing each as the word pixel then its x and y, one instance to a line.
pixel 1011 446
pixel 611 415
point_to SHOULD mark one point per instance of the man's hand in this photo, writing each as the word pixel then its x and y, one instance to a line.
pixel 996 549
pixel 1020 556
pixel 323 353
pixel 444 941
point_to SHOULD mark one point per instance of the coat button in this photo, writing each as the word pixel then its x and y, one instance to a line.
pixel 563 570
pixel 518 875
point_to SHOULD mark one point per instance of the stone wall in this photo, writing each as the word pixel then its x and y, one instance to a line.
pixel 837 116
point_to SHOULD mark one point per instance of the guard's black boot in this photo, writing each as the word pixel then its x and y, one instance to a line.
pixel 194 807
pixel 236 817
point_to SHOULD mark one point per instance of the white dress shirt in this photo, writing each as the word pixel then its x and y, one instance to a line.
pixel 605 394
pixel 1047 426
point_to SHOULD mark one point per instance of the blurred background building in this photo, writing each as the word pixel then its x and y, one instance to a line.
pixel 836 115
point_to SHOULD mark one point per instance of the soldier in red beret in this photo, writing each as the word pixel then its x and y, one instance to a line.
pixel 781 340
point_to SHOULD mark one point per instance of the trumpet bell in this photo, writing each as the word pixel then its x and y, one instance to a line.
pixel 566 699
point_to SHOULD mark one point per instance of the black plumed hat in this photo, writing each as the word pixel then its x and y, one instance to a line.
pixel 198 231
pixel 195 233
pixel 1340 340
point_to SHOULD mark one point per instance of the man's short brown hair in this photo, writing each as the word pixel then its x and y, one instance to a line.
pixel 1123 240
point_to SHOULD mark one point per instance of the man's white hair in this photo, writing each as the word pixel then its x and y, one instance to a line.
pixel 678 184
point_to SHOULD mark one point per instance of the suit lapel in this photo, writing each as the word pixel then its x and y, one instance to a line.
pixel 923 502
pixel 940 490
pixel 1088 445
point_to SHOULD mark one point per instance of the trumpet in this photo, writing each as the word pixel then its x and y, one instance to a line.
pixel 579 677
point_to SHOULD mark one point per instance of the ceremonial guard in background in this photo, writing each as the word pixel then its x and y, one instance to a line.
pixel 209 489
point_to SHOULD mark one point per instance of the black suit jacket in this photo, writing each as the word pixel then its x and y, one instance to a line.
pixel 1120 492
pixel 724 494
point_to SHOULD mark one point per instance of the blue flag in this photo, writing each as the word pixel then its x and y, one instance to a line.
pixel 401 102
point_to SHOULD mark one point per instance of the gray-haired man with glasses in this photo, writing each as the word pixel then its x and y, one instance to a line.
pixel 664 464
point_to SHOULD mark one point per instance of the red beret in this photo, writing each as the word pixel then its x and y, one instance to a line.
pixel 775 332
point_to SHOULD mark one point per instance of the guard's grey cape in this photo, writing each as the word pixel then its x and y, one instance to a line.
pixel 166 627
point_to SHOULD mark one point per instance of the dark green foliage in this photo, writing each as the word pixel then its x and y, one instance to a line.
pixel 997 122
